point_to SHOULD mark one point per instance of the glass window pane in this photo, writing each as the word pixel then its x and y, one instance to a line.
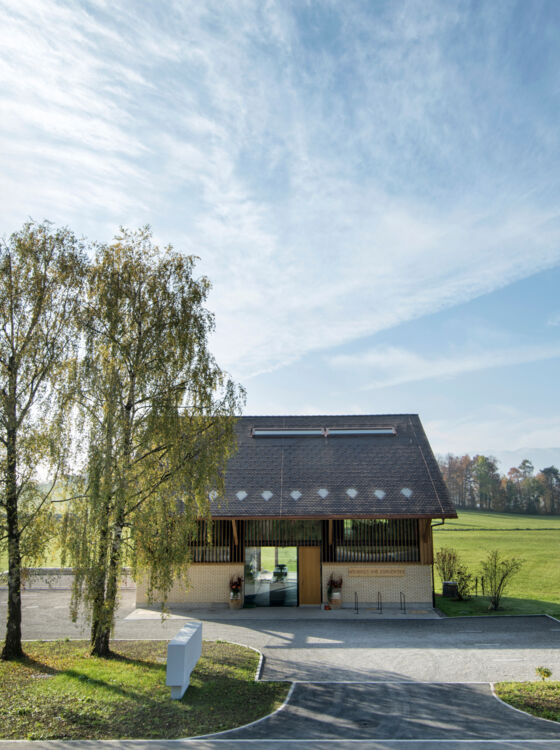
pixel 271 576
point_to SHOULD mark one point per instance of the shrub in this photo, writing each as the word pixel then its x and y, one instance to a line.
pixel 498 572
pixel 446 562
pixel 464 583
pixel 543 672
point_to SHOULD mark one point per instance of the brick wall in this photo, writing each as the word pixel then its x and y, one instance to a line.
pixel 210 583
pixel 207 583
pixel 416 583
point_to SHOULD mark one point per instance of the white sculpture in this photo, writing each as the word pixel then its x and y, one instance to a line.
pixel 183 652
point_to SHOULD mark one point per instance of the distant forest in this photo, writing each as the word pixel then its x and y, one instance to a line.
pixel 477 483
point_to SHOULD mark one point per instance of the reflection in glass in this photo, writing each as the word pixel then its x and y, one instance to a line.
pixel 271 576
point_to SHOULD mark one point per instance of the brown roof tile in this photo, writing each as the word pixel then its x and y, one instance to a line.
pixel 387 464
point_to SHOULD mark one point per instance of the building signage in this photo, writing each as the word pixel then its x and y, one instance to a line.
pixel 382 572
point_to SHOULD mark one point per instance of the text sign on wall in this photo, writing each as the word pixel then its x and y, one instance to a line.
pixel 383 572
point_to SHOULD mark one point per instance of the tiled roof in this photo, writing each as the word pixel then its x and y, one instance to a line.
pixel 382 475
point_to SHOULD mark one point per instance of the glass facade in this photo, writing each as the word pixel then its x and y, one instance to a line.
pixel 271 578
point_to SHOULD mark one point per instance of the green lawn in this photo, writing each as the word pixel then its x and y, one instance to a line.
pixel 537 698
pixel 51 559
pixel 536 539
pixel 60 692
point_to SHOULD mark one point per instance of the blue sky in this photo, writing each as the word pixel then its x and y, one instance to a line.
pixel 373 188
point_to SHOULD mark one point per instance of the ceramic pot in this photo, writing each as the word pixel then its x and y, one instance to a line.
pixel 335 599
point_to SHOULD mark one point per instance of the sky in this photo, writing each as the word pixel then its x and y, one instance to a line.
pixel 372 187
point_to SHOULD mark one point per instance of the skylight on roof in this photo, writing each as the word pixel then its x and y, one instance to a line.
pixel 320 431
pixel 340 431
pixel 288 432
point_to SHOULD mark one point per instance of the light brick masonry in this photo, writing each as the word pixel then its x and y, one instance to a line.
pixel 207 583
pixel 415 581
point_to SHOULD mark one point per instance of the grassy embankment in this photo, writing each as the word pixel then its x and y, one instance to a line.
pixel 535 539
pixel 537 698
pixel 60 692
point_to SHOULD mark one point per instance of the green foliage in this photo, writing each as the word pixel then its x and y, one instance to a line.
pixel 446 561
pixel 61 692
pixel 464 583
pixel 497 572
pixel 450 568
pixel 41 271
pixel 543 672
pixel 157 415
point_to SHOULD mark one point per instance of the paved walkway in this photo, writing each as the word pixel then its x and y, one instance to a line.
pixel 442 650
pixel 396 711
pixel 360 681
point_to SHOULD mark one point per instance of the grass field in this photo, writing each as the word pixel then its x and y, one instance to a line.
pixel 535 539
pixel 60 692
pixel 51 559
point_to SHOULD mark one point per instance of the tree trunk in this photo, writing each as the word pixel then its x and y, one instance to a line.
pixel 12 646
pixel 99 640
pixel 98 606
pixel 98 587
pixel 102 634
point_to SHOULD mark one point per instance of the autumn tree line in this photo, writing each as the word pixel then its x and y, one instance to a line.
pixel 116 422
pixel 477 483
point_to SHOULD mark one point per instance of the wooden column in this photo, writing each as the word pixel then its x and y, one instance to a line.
pixel 426 542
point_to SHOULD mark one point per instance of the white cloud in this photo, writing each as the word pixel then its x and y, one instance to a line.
pixel 554 319
pixel 389 366
pixel 332 191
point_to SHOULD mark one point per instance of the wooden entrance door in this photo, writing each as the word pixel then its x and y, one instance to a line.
pixel 309 575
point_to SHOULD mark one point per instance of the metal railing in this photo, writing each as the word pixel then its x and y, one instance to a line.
pixel 403 603
pixel 379 603
pixel 356 604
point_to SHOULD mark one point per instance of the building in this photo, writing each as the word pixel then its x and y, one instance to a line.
pixel 311 496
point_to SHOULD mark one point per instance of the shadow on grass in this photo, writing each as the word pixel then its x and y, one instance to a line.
pixel 479 605
pixel 113 657
pixel 89 704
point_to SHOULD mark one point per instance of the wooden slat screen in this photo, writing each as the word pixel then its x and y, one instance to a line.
pixel 214 542
pixel 372 540
pixel 351 540
pixel 280 533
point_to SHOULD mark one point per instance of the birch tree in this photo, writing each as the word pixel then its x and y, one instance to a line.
pixel 158 416
pixel 40 272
